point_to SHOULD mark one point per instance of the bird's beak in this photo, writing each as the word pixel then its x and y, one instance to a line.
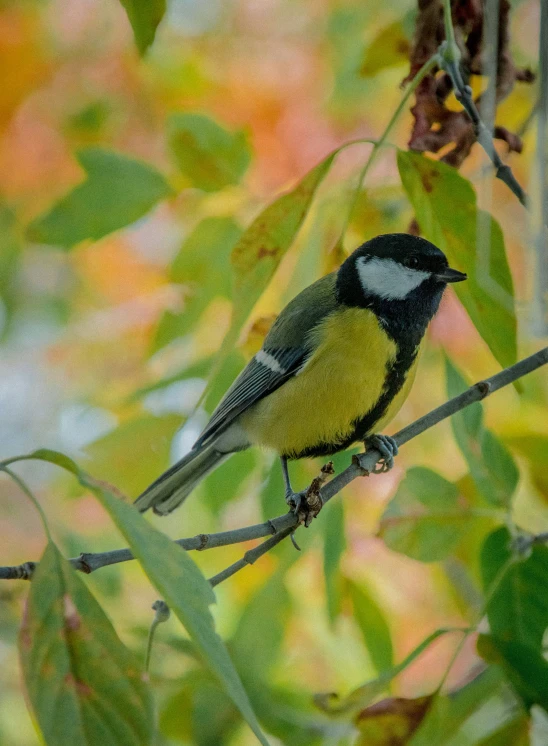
pixel 450 275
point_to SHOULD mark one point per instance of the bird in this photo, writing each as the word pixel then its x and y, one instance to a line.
pixel 334 369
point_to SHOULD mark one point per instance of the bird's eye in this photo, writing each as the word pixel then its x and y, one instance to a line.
pixel 413 262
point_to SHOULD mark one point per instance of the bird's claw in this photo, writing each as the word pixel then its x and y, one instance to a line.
pixel 299 505
pixel 295 500
pixel 307 504
pixel 387 447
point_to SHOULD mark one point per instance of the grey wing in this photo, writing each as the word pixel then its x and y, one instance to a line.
pixel 285 349
pixel 262 375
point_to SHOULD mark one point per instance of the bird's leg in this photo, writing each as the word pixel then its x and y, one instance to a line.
pixel 295 500
pixel 387 447
pixel 306 504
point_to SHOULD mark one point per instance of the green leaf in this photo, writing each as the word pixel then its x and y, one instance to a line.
pixel 132 455
pixel 373 626
pixel 468 422
pixel 188 594
pixel 261 629
pixel 144 16
pixel 91 120
pixel 258 253
pixel 224 484
pixel 539 727
pixel 200 712
pixel 261 248
pixel 52 457
pixel 513 733
pixel 518 608
pixel 84 685
pixel 446 210
pixel 524 666
pixel 334 544
pixel 365 694
pixel 118 191
pixel 502 468
pixel 534 448
pixel 209 155
pixel 424 519
pixel 288 715
pixel 209 244
pixel 451 711
pixel 389 48
pixel 177 578
pixel 492 466
pixel 348 26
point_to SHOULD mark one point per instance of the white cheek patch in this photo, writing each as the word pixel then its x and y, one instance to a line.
pixel 388 279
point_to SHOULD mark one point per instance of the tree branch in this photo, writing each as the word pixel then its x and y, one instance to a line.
pixel 449 55
pixel 476 42
pixel 284 525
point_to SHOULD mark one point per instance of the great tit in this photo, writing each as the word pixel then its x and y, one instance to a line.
pixel 335 368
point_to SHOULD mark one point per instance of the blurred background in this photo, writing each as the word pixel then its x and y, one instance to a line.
pixel 106 345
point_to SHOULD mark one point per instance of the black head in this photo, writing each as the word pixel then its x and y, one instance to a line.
pixel 393 267
pixel 399 276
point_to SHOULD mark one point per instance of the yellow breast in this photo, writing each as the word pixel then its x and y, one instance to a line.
pixel 341 382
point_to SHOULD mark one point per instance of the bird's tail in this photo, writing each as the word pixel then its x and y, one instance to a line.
pixel 175 484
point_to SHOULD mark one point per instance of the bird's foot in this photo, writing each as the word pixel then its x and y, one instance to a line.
pixel 387 447
pixel 296 501
pixel 307 504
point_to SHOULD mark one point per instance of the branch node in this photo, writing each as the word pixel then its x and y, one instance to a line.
pixel 162 611
pixel 356 461
pixel 204 539
pixel 522 545
pixel 484 388
pixel 26 570
pixel 83 564
pixel 272 526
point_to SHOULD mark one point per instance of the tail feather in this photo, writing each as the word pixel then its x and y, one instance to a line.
pixel 175 484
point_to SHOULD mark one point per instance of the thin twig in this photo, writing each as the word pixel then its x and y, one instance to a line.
pixel 285 524
pixel 253 555
pixel 449 57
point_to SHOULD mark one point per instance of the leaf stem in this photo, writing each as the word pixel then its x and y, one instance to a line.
pixel 452 51
pixel 377 144
pixel 487 600
pixel 162 614
pixel 364 694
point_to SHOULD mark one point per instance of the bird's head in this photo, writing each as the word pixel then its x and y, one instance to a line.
pixel 395 268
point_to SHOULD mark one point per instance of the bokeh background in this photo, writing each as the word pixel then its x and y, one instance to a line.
pixel 100 359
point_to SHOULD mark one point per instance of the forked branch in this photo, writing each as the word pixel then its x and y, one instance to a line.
pixel 284 525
